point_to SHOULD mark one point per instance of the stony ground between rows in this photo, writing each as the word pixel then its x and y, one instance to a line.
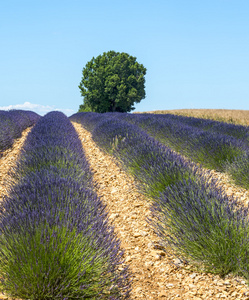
pixel 156 274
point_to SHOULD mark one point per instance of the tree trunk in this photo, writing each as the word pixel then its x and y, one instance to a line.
pixel 114 106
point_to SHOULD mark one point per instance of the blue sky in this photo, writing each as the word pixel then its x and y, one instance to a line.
pixel 196 52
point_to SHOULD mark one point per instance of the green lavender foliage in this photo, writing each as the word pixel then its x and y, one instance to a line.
pixel 239 170
pixel 202 225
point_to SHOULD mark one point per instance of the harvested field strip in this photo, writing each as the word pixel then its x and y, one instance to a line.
pixel 234 116
pixel 156 274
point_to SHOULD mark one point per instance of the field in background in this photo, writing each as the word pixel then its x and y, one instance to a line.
pixel 226 115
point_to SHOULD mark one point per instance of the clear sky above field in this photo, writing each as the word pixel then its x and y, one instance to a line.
pixel 196 52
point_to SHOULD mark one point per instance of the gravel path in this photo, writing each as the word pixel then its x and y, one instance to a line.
pixel 156 274
pixel 8 161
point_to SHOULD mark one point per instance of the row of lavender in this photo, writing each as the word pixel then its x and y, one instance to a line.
pixel 190 212
pixel 12 123
pixel 55 239
pixel 215 145
pixel 237 131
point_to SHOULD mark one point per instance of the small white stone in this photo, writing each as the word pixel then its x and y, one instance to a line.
pixel 149 264
pixel 128 258
pixel 137 234
pixel 177 261
pixel 157 257
pixel 139 289
pixel 150 245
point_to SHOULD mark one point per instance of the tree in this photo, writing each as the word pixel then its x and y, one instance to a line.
pixel 84 108
pixel 112 82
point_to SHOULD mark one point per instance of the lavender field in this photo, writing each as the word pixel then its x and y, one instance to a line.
pixel 191 213
pixel 56 240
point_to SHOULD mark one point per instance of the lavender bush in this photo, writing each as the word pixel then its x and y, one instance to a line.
pixel 89 119
pixel 237 131
pixel 202 225
pixel 12 123
pixel 212 150
pixel 239 170
pixel 56 242
pixel 60 245
pixel 53 144
pixel 24 118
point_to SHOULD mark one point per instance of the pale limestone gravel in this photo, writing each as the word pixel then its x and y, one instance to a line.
pixel 156 274
pixel 231 189
pixel 8 161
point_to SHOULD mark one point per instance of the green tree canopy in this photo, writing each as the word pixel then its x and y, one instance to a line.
pixel 112 82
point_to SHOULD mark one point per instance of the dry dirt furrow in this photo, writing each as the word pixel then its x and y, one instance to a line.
pixel 8 161
pixel 225 181
pixel 156 274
